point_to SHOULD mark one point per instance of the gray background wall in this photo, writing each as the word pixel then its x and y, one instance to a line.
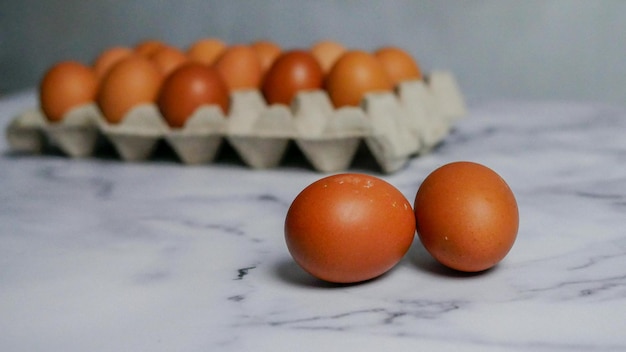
pixel 498 49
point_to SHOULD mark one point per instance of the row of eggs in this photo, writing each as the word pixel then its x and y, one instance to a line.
pixel 209 71
pixel 395 127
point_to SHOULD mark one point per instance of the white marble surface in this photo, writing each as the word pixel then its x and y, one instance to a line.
pixel 102 255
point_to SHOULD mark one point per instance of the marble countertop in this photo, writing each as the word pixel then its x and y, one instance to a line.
pixel 98 254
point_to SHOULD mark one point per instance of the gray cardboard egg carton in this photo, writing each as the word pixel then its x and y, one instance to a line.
pixel 395 127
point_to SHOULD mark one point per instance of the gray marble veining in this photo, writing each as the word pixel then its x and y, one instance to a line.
pixel 103 255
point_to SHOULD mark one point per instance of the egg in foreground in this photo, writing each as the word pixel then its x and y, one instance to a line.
pixel 467 216
pixel 348 228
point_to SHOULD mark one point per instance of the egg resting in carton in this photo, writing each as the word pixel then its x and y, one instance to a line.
pixel 395 126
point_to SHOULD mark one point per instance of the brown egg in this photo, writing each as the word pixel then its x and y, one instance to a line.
pixel 349 227
pixel 467 216
pixel 132 81
pixel 399 64
pixel 206 50
pixel 292 72
pixel 168 58
pixel 240 67
pixel 108 58
pixel 189 87
pixel 66 85
pixel 327 52
pixel 355 74
pixel 268 51
pixel 148 47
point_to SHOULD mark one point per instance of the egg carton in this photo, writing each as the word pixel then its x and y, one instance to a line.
pixel 395 127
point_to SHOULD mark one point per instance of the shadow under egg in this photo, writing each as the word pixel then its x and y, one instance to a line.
pixel 290 272
pixel 419 256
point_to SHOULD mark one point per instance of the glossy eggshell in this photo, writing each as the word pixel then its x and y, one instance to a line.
pixel 66 85
pixel 348 228
pixel 353 75
pixel 132 81
pixel 189 87
pixel 467 216
pixel 292 72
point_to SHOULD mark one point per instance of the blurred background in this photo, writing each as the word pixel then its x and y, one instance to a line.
pixel 497 49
